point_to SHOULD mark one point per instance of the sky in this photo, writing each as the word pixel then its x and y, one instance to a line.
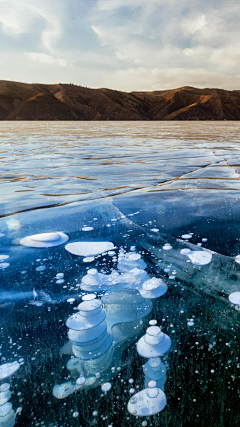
pixel 121 44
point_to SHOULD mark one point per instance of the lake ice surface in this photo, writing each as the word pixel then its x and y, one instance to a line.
pixel 145 187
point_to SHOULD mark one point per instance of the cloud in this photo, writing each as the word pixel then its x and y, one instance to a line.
pixel 29 16
pixel 126 45
pixel 45 59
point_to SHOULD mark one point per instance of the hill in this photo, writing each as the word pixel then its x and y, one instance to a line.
pixel 21 101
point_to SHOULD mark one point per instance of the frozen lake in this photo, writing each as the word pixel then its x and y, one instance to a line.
pixel 145 219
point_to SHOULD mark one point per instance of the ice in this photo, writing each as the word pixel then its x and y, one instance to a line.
pixel 87 249
pixel 147 402
pixel 8 369
pixel 153 288
pixel 199 258
pixel 106 387
pixel 154 343
pixel 3 257
pixel 234 298
pixel 44 240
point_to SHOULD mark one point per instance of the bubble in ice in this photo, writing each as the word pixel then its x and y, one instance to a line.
pixel 185 251
pixel 44 240
pixel 71 300
pixel 204 239
pixel 186 236
pixel 198 257
pixel 88 297
pixel 106 387
pixel 234 298
pixel 59 275
pixel 153 288
pixel 95 413
pixel 155 230
pixel 3 257
pixel 152 322
pixel 41 268
pixel 111 253
pixel 5 410
pixel 87 228
pixel 8 369
pixel 4 387
pixel 88 259
pixel 13 224
pixel 81 380
pixel 86 249
pixel 167 247
pixel 154 343
pixel 237 259
pixel 149 401
pixel 75 414
pixel 190 322
pixel 4 265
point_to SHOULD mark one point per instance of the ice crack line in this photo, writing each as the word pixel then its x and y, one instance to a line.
pixel 231 166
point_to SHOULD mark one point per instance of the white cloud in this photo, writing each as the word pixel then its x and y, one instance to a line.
pixel 46 59
pixel 19 17
pixel 126 45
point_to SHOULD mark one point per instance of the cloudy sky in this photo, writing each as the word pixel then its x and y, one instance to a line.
pixel 121 44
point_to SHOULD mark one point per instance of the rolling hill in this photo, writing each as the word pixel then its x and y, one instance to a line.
pixel 21 101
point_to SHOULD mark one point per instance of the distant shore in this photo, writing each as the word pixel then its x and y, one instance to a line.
pixel 21 101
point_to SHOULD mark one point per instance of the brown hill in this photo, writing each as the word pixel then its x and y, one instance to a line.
pixel 21 101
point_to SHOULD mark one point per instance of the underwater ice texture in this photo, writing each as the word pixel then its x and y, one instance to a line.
pixel 166 195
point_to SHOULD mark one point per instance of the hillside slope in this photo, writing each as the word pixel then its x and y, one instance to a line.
pixel 21 101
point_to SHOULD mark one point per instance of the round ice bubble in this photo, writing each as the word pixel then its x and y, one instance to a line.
pixel 106 387
pixel 167 247
pixel 185 251
pixel 46 237
pixel 4 387
pixel 5 410
pixel 8 369
pixel 199 257
pixel 4 397
pixel 186 236
pixel 3 257
pixel 86 249
pixel 4 265
pixel 89 259
pixel 237 259
pixel 147 402
pixel 88 297
pixel 75 414
pixel 154 343
pixel 40 268
pixel 81 380
pixel 152 322
pixel 44 240
pixel 234 298
pixel 87 228
pixel 153 288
